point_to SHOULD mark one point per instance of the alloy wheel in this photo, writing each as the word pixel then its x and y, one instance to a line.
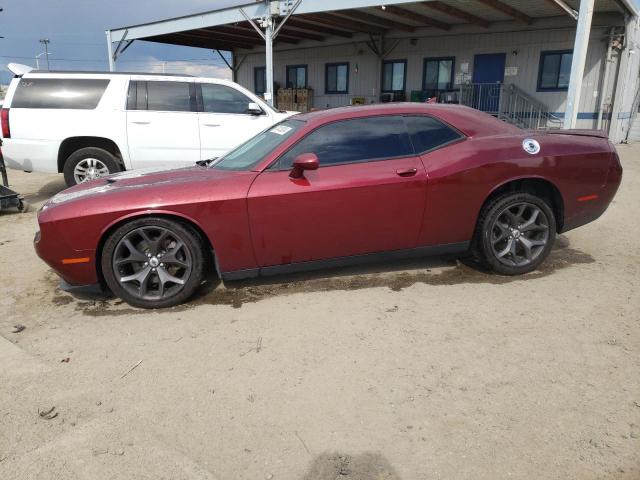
pixel 519 234
pixel 89 169
pixel 152 263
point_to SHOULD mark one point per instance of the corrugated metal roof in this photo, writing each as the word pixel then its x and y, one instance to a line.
pixel 315 20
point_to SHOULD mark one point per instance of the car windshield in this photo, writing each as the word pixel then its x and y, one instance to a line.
pixel 255 149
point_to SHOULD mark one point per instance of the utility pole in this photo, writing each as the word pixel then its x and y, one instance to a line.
pixel 46 42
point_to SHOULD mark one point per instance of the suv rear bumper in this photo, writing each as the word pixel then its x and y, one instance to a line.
pixel 31 155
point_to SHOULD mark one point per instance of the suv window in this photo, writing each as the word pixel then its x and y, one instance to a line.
pixel 168 96
pixel 356 140
pixel 223 99
pixel 76 93
pixel 428 133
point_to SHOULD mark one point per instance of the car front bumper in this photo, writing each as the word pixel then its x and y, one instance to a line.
pixel 75 267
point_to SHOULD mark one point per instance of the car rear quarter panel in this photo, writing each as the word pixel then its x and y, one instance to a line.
pixel 463 176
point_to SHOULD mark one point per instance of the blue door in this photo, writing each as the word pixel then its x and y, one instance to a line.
pixel 488 74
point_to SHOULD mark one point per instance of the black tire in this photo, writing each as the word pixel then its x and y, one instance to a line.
pixel 500 229
pixel 116 268
pixel 107 159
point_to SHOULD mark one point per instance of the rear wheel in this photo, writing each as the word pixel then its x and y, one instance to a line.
pixel 515 233
pixel 153 262
pixel 89 163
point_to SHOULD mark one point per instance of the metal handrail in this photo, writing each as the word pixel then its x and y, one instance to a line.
pixel 509 103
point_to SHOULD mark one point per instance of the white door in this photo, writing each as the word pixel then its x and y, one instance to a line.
pixel 224 120
pixel 162 124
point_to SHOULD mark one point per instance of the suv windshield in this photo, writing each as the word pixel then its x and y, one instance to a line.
pixel 255 149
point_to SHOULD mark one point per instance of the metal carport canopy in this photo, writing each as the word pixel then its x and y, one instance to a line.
pixel 235 28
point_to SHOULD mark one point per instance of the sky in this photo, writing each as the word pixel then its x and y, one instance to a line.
pixel 76 29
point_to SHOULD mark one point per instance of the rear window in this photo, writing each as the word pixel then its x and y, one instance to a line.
pixel 427 133
pixel 74 93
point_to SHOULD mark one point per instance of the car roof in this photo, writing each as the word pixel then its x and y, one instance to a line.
pixel 469 121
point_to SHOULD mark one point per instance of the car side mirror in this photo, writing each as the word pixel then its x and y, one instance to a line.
pixel 254 109
pixel 304 161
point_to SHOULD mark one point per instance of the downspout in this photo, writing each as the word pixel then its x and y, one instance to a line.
pixel 615 134
pixel 605 78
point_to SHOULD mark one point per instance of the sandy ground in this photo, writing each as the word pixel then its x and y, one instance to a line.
pixel 411 370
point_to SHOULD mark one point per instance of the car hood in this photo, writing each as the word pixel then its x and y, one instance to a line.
pixel 151 180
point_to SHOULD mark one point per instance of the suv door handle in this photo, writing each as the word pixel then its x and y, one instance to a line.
pixel 211 124
pixel 406 172
pixel 142 122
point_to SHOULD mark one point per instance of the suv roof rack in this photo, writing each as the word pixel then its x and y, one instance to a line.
pixel 102 72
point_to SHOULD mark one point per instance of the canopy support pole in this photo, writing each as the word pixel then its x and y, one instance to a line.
pixel 581 44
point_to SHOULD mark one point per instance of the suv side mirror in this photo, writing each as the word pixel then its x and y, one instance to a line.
pixel 254 109
pixel 304 161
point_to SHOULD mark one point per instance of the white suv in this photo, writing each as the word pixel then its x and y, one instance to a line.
pixel 87 125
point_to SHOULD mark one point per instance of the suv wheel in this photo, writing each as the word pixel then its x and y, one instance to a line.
pixel 515 233
pixel 89 163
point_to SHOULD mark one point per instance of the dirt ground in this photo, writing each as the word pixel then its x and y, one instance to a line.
pixel 411 370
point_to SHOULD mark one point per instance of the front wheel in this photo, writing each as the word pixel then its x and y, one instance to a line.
pixel 153 262
pixel 515 233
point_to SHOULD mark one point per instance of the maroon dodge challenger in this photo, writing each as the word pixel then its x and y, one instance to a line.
pixel 331 188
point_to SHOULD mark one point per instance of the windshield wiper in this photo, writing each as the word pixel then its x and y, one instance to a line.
pixel 206 163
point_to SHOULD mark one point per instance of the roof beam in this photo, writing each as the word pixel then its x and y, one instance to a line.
pixel 375 20
pixel 564 8
pixel 298 34
pixel 248 33
pixel 217 35
pixel 507 10
pixel 299 23
pixel 209 38
pixel 189 42
pixel 455 12
pixel 416 17
pixel 349 25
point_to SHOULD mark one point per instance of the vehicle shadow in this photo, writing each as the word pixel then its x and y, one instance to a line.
pixel 395 275
pixel 45 192
pixel 364 466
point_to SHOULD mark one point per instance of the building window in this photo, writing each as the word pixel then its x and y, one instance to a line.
pixel 296 76
pixel 554 70
pixel 437 74
pixel 394 75
pixel 259 80
pixel 336 77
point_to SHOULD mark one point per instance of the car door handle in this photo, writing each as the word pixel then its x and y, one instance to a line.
pixel 211 124
pixel 406 172
pixel 141 122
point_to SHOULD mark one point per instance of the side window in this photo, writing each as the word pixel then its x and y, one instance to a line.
pixel 72 93
pixel 132 95
pixel 357 140
pixel 223 99
pixel 428 133
pixel 168 96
